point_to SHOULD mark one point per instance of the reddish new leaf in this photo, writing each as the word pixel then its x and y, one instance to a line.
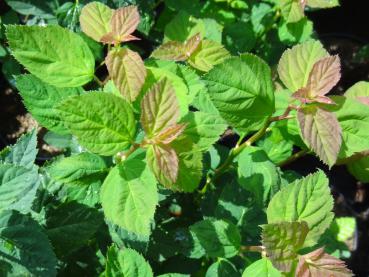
pixel 320 264
pixel 324 76
pixel 321 132
pixel 282 241
pixel 166 161
pixel 169 134
pixel 128 72
pixel 159 108
pixel 123 23
pixel 177 51
pixel 303 95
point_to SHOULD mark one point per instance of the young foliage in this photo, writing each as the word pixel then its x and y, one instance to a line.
pixel 308 200
pixel 318 263
pixel 282 242
pixel 127 71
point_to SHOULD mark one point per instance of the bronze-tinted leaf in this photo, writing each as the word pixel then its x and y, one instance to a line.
pixel 123 23
pixel 169 134
pixel 324 76
pixel 303 96
pixel 166 161
pixel 177 51
pixel 159 108
pixel 319 264
pixel 282 241
pixel 172 51
pixel 321 132
pixel 127 70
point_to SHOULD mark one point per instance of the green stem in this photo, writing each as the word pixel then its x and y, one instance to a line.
pixel 241 146
pixel 98 81
pixel 293 158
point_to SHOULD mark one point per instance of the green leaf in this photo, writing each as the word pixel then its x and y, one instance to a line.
pixel 159 108
pixel 126 262
pixel 208 54
pixel 182 27
pixel 307 199
pixel 292 10
pixel 79 170
pixel 67 64
pixel 261 268
pixel 360 169
pixel 282 241
pixel 244 95
pixel 359 91
pixel 127 71
pixel 95 20
pixel 71 220
pixel 40 99
pixel 296 32
pixel 25 246
pixel 102 122
pixel 261 17
pixel 222 268
pixel 323 3
pixel 321 132
pixel 218 238
pixel 239 37
pixel 296 63
pixel 258 174
pixel 275 145
pixel 204 129
pixel 353 117
pixel 18 186
pixel 129 196
pixel 31 7
pixel 22 153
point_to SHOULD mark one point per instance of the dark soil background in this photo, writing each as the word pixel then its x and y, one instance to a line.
pixel 343 30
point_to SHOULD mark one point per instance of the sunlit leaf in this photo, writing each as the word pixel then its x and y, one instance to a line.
pixel 95 20
pixel 127 71
pixel 321 131
pixel 318 263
